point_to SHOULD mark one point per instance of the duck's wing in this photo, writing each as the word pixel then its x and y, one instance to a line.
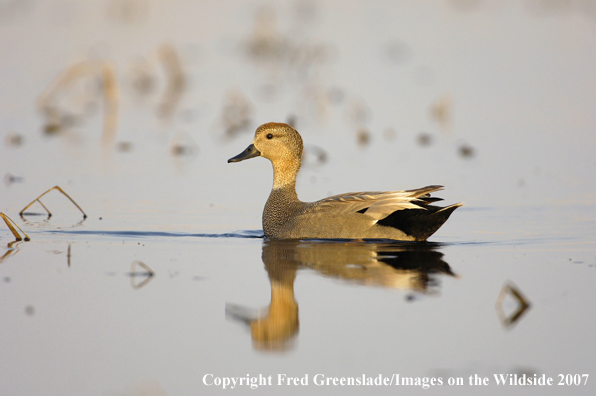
pixel 376 204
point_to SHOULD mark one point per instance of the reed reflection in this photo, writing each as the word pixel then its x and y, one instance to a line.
pixel 406 266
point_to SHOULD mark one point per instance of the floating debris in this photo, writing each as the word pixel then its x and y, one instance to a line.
pixel 14 140
pixel 236 114
pixel 73 95
pixel 314 156
pixel 466 151
pixel 141 78
pixel 441 110
pixel 30 310
pixel 424 139
pixel 8 222
pixel 133 274
pixel 176 80
pixel 280 54
pixel 363 137
pixel 266 43
pixel 509 289
pixel 58 121
pixel 124 147
pixel 9 179
pixel 46 209
pixel 183 145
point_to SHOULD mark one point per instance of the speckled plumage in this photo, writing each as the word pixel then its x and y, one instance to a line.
pixel 399 215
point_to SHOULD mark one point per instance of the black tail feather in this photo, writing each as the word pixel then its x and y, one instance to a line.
pixel 419 223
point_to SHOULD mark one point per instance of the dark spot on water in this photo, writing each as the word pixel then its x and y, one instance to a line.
pixel 101 218
pixel 51 128
pixel 181 150
pixel 198 278
pixel 9 179
pixel 363 137
pixel 410 298
pixel 124 147
pixel 7 279
pixel 527 371
pixel 139 274
pixel 466 151
pixel 236 115
pixel 29 310
pixel 14 139
pixel 314 156
pixel 424 139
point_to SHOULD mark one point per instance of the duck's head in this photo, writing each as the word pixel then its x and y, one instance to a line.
pixel 275 141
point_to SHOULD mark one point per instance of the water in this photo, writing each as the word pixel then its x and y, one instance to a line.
pixel 168 286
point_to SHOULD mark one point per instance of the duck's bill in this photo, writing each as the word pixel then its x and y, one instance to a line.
pixel 250 152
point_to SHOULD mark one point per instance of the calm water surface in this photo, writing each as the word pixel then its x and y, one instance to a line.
pixel 168 285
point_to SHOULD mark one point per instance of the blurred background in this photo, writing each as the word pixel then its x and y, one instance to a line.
pixel 494 99
pixel 133 107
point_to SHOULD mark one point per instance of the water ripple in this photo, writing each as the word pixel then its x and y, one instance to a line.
pixel 151 234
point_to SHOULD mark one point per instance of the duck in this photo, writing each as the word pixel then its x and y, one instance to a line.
pixel 393 215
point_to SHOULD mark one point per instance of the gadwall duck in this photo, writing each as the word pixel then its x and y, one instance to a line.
pixel 398 215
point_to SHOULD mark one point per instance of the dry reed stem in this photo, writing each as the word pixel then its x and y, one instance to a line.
pixel 524 305
pixel 106 71
pixel 141 264
pixel 8 220
pixel 50 214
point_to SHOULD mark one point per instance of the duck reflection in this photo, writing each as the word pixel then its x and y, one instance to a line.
pixel 407 266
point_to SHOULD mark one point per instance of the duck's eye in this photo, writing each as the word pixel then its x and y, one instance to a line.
pixel 269 136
